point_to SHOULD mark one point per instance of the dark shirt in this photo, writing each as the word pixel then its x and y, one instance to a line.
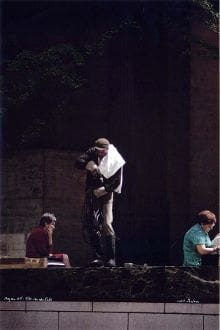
pixel 92 181
pixel 38 243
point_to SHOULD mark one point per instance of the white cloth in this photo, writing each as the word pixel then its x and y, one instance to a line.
pixel 111 163
pixel 216 240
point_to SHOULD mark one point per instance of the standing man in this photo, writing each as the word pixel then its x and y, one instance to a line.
pixel 104 167
pixel 40 241
pixel 197 242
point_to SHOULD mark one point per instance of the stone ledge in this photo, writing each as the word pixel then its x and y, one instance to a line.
pixel 128 307
pixel 184 308
pixel 161 284
pixel 12 305
pixel 77 306
pixel 91 320
pixel 116 307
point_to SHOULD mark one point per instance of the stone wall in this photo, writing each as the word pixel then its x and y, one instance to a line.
pixel 35 182
pixel 204 120
pixel 12 244
pixel 107 315
pixel 193 157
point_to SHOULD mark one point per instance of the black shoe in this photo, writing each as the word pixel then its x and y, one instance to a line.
pixel 110 263
pixel 96 263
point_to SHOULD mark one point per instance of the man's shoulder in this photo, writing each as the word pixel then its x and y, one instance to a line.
pixel 197 235
pixel 38 231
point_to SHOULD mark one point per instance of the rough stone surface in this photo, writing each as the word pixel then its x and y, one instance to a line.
pixel 165 322
pixel 12 245
pixel 140 284
pixel 90 321
pixel 32 320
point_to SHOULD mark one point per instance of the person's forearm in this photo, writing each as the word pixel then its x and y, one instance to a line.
pixel 205 251
pixel 50 241
pixel 50 237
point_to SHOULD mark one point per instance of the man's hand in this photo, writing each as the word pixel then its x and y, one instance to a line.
pixel 99 192
pixel 91 166
pixel 50 234
pixel 216 249
pixel 50 231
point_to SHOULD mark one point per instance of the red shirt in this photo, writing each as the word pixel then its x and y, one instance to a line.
pixel 38 243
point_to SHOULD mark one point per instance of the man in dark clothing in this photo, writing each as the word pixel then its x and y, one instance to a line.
pixel 104 167
pixel 40 241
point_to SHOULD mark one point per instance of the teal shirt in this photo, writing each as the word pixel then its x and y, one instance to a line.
pixel 194 236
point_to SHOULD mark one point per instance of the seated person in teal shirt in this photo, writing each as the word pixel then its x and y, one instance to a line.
pixel 196 241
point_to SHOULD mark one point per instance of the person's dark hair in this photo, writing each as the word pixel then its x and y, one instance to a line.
pixel 47 218
pixel 206 217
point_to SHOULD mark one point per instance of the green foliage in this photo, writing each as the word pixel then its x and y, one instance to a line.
pixel 29 72
pixel 208 14
pixel 43 86
pixel 38 87
pixel 59 68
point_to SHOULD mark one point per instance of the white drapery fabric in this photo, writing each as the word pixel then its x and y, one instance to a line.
pixel 111 163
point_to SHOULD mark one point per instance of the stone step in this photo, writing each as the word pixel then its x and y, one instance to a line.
pixel 22 263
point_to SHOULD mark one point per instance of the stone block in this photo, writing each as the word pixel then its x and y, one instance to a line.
pixel 128 307
pixel 182 308
pixel 76 306
pixel 3 245
pixel 26 321
pixel 18 208
pixel 22 175
pixel 16 241
pixel 165 322
pixel 211 322
pixel 210 309
pixel 61 178
pixel 21 215
pixel 12 245
pixel 68 239
pixel 12 305
pixel 91 321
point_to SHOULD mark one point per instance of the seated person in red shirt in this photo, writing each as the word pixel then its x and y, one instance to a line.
pixel 40 241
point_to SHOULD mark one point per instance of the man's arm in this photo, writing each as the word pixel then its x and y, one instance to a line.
pixel 113 182
pixel 109 185
pixel 50 239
